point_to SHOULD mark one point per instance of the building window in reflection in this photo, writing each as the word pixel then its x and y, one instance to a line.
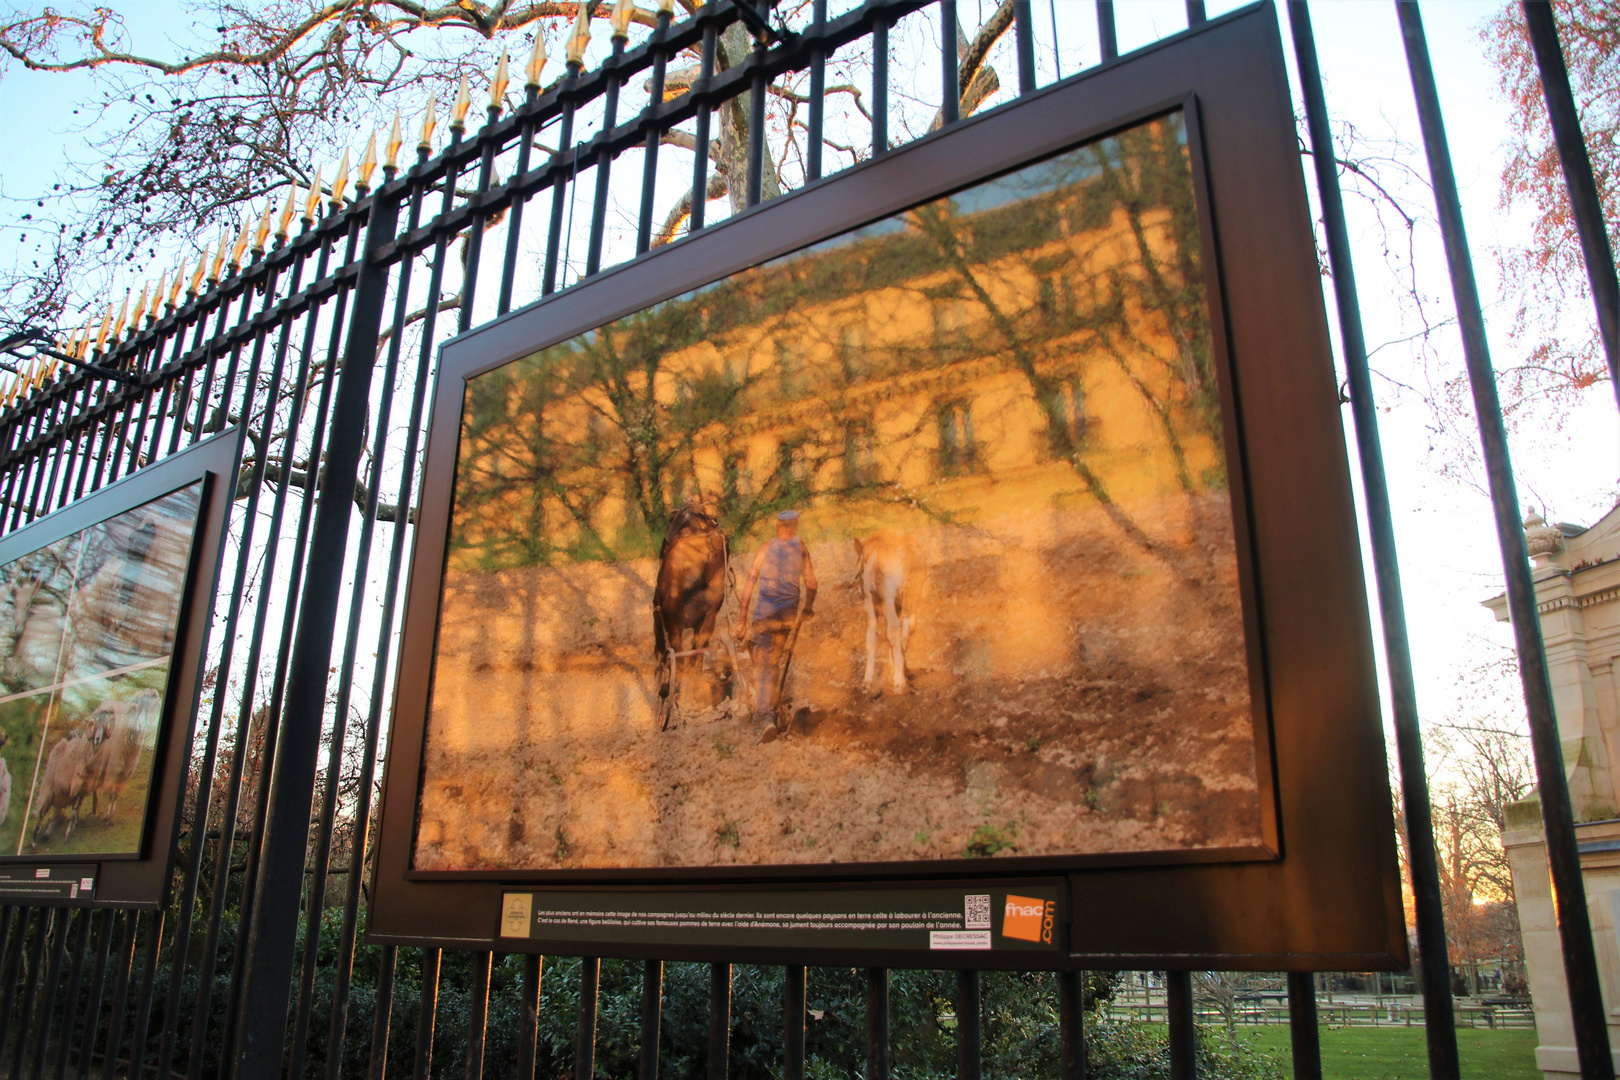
pixel 860 470
pixel 1068 418
pixel 957 454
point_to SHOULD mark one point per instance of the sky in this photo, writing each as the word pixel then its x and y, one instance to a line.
pixel 1450 562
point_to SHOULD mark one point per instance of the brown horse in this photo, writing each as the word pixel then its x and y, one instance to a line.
pixel 691 588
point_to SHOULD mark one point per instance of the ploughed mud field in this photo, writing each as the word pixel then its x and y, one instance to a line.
pixel 1069 692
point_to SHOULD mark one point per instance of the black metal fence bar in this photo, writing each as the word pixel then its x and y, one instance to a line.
pixel 1183 1032
pixel 969 1033
pixel 1569 893
pixel 1304 1035
pixel 877 1024
pixel 1071 1026
pixel 1440 1030
pixel 719 1042
pixel 792 1025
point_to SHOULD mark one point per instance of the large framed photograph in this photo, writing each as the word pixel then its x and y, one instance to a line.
pixel 913 545
pixel 927 522
pixel 99 623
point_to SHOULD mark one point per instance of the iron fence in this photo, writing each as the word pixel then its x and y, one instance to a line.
pixel 321 342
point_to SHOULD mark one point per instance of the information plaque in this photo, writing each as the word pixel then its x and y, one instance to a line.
pixel 976 918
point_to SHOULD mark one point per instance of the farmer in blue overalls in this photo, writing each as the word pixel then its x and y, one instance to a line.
pixel 781 575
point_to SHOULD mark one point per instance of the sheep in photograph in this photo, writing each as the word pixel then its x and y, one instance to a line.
pixel 5 782
pixel 65 780
pixel 126 725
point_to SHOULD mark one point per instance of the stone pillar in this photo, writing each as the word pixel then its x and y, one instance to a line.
pixel 1577 573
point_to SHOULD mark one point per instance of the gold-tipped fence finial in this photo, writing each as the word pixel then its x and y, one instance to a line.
pixel 140 307
pixel 312 200
pixel 537 62
pixel 396 139
pixel 218 269
pixel 430 120
pixel 262 233
pixel 123 317
pixel 368 165
pixel 623 12
pixel 580 39
pixel 158 294
pixel 458 111
pixel 497 85
pixel 241 245
pixel 179 284
pixel 197 276
pixel 106 328
pixel 288 209
pixel 340 182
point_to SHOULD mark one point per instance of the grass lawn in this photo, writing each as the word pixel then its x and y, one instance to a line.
pixel 1397 1053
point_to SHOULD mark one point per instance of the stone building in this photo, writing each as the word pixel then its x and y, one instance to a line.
pixel 1577 574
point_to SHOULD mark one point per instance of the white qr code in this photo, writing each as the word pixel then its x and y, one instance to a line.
pixel 977 912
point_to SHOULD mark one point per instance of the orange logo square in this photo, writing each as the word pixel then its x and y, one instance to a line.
pixel 1026 919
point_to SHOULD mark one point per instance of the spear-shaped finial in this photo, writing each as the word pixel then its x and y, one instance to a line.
pixel 458 111
pixel 396 139
pixel 106 328
pixel 537 62
pixel 580 39
pixel 240 247
pixel 341 180
pixel 50 369
pixel 287 211
pixel 157 296
pixel 219 257
pixel 312 199
pixel 140 306
pixel 179 283
pixel 202 268
pixel 123 317
pixel 623 12
pixel 262 233
pixel 497 86
pixel 430 120
pixel 368 165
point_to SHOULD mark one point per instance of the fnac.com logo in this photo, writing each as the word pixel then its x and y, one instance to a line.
pixel 1028 919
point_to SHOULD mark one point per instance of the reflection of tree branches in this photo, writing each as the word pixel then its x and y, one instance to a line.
pixel 933 221
pixel 1159 406
pixel 1181 307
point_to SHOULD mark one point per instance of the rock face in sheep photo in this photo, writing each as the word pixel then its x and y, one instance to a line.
pixel 88 626
pixel 911 546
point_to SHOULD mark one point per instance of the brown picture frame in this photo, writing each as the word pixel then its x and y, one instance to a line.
pixel 141 880
pixel 1323 890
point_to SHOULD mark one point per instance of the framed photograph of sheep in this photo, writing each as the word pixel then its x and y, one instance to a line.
pixel 939 520
pixel 95 664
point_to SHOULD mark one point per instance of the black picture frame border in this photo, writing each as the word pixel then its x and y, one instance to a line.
pixel 142 881
pixel 1336 880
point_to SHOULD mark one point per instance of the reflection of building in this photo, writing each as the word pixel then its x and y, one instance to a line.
pixel 1577 575
pixel 1018 379
pixel 1049 337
